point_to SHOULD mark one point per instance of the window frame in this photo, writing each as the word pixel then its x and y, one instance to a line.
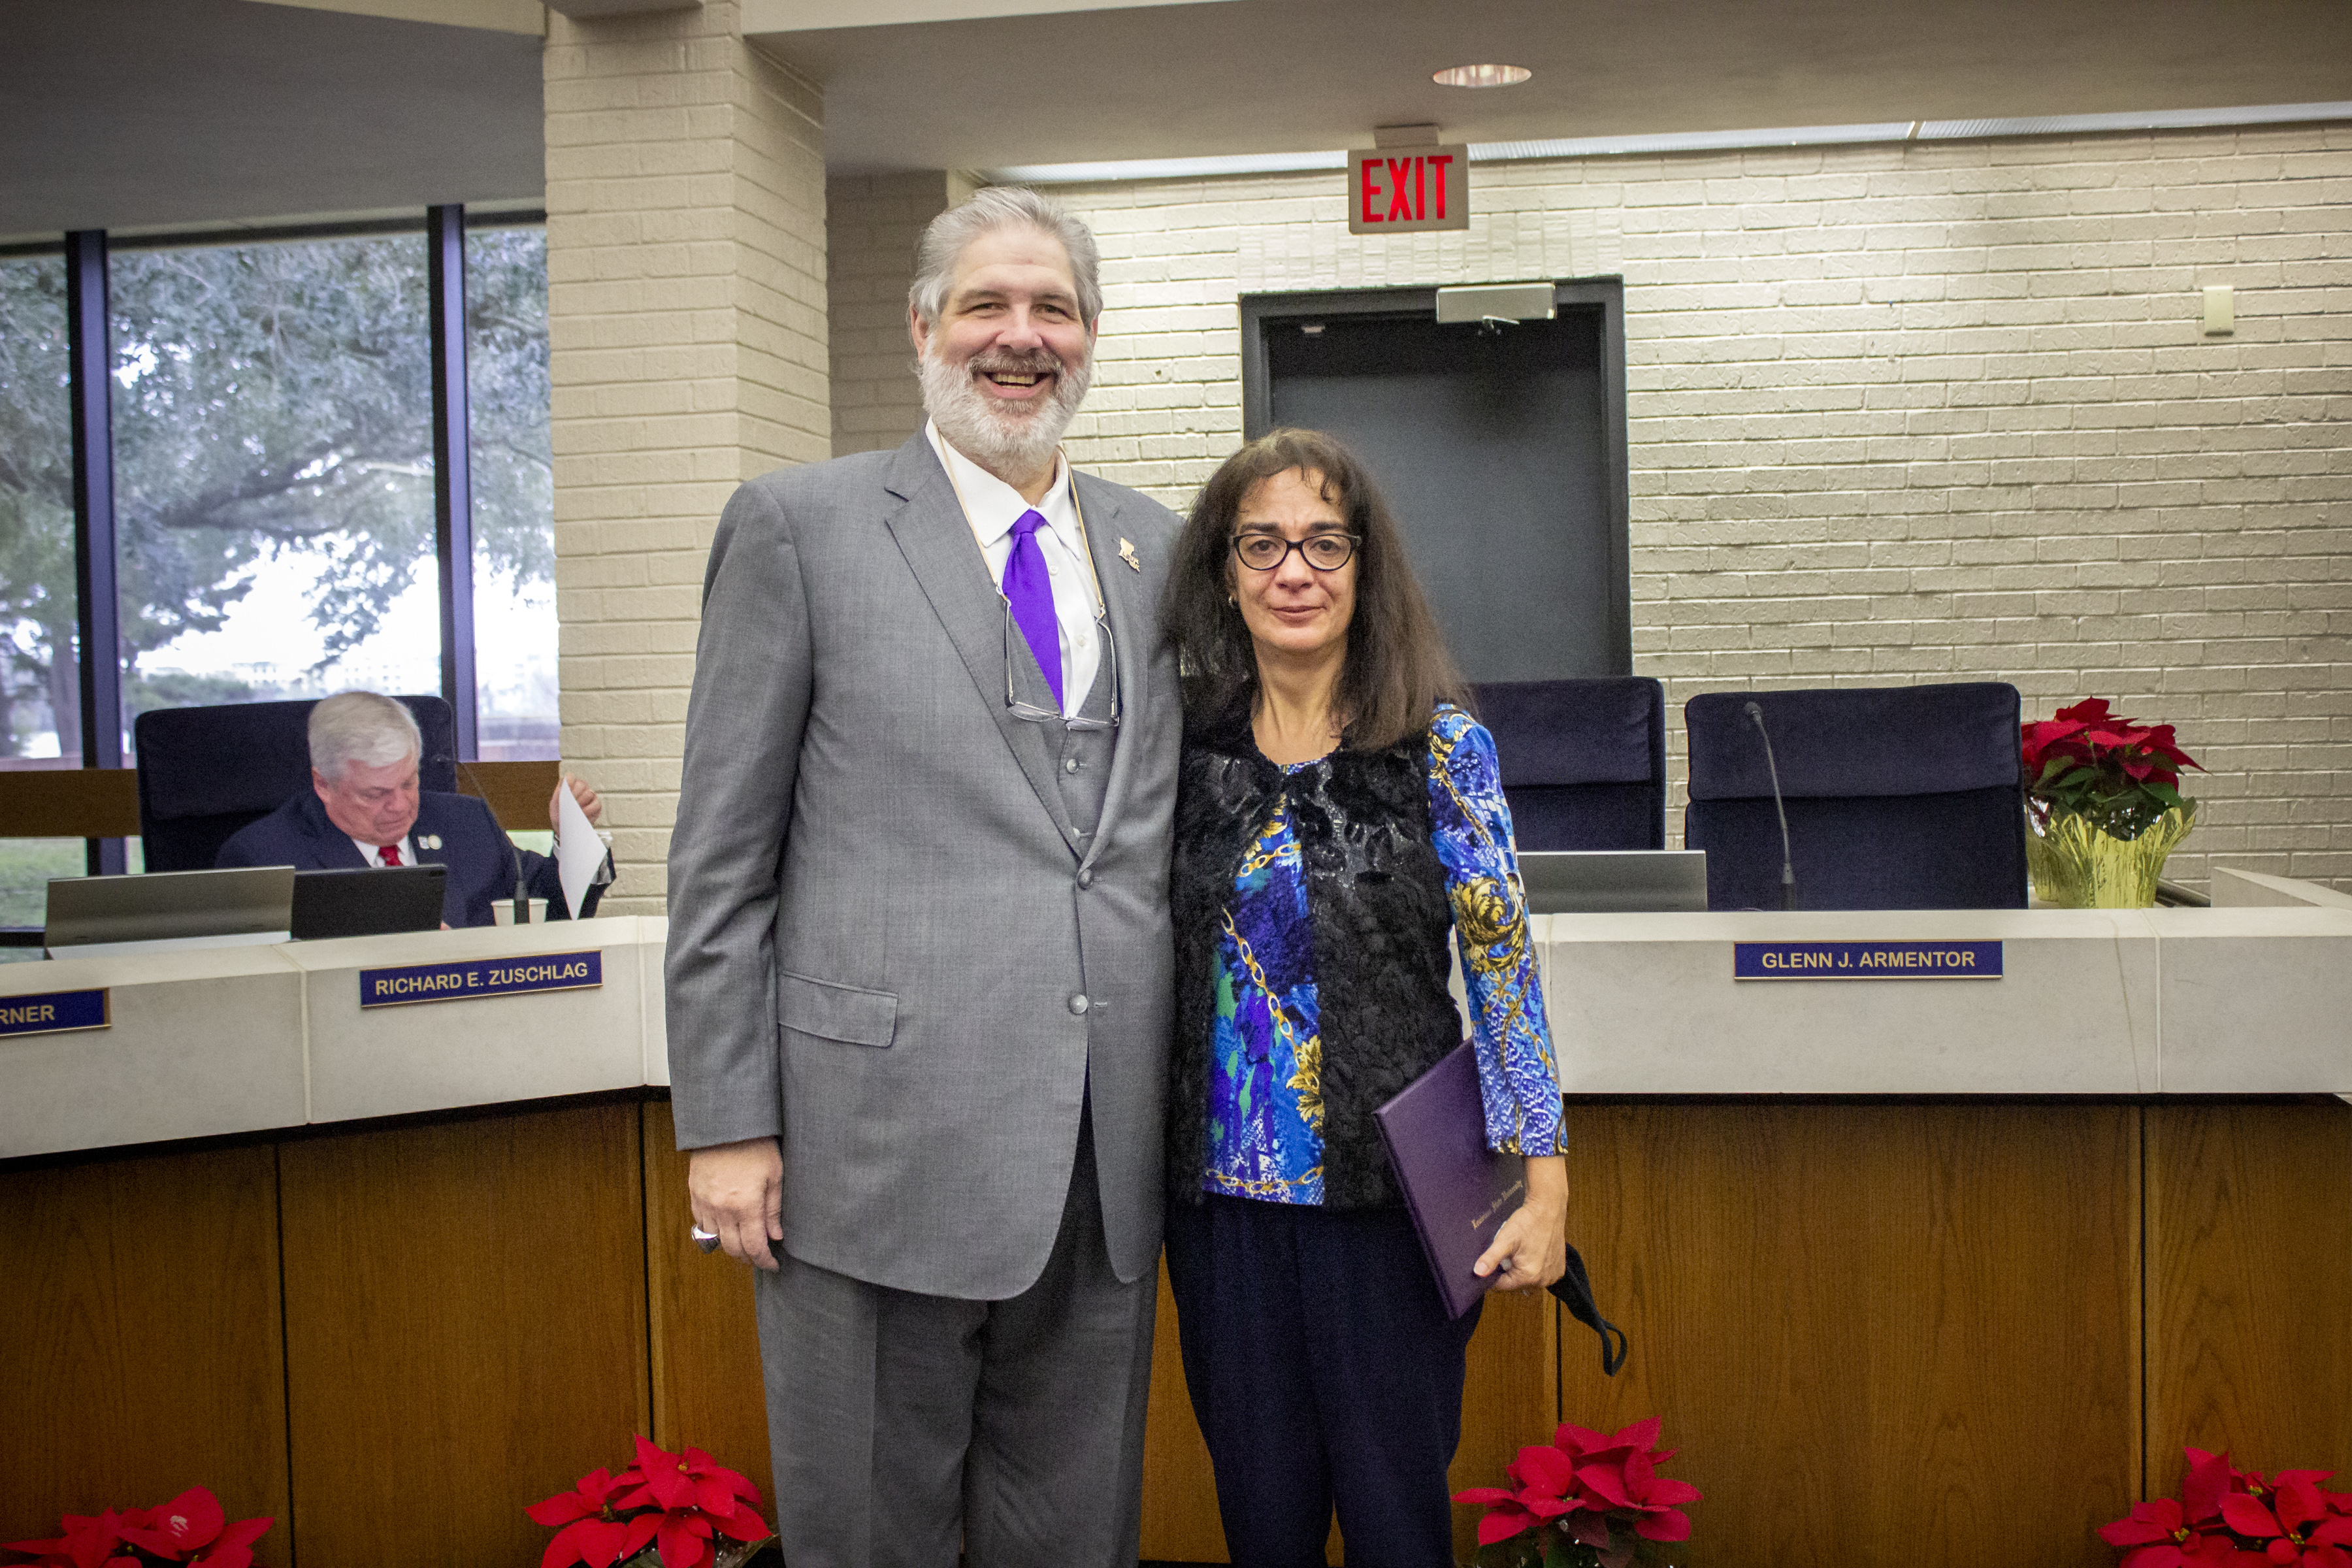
pixel 96 554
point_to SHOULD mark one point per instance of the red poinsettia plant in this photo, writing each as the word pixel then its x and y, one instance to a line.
pixel 1583 1502
pixel 679 1504
pixel 2226 1517
pixel 189 1529
pixel 2093 763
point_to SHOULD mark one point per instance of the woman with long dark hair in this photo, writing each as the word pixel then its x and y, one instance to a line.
pixel 1339 816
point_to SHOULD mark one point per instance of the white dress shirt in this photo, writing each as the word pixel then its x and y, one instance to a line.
pixel 374 853
pixel 992 507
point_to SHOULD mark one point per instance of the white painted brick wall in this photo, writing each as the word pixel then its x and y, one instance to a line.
pixel 1920 413
pixel 685 247
pixel 871 222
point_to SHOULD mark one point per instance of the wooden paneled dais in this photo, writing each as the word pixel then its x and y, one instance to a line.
pixel 706 1345
pixel 2250 1286
pixel 1876 1332
pixel 465 1327
pixel 141 1353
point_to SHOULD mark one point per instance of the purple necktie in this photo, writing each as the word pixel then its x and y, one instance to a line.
pixel 1031 594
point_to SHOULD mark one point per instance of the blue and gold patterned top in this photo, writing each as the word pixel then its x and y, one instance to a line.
pixel 1266 1100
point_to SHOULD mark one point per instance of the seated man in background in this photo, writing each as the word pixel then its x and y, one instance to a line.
pixel 365 809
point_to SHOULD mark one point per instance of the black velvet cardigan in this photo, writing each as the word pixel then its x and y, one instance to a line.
pixel 1378 919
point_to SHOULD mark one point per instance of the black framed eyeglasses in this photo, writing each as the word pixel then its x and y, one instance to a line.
pixel 1030 713
pixel 1324 552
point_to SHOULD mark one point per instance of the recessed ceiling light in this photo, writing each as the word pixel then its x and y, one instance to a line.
pixel 1481 76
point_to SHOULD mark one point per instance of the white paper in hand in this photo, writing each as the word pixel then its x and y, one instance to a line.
pixel 578 851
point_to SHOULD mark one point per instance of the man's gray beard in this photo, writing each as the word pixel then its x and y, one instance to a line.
pixel 977 426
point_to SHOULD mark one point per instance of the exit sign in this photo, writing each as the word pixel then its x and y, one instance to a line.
pixel 1408 190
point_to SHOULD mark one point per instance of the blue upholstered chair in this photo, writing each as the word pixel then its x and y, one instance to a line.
pixel 1904 797
pixel 203 772
pixel 1584 762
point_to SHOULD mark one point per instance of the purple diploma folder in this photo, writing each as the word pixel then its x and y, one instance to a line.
pixel 1459 1191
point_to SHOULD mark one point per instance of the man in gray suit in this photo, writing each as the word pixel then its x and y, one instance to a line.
pixel 920 960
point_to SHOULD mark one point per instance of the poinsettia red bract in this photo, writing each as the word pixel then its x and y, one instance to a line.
pixel 1588 1489
pixel 679 1504
pixel 191 1529
pixel 2089 761
pixel 2228 1518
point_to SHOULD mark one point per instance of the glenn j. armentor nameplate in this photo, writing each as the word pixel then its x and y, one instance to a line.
pixel 1865 961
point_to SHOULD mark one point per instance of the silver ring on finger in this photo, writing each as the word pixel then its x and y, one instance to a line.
pixel 707 1241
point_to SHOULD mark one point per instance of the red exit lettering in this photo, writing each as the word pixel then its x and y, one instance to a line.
pixel 1411 188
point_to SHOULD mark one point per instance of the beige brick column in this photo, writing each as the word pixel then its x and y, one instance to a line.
pixel 686 259
pixel 871 223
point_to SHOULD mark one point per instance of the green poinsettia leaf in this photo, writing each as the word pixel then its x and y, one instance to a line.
pixel 2164 792
pixel 1561 1550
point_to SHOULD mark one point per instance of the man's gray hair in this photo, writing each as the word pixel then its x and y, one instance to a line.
pixel 364 728
pixel 990 209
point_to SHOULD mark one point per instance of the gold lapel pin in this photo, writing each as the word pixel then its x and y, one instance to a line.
pixel 1126 554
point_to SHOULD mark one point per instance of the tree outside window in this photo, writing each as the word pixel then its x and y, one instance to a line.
pixel 37 674
pixel 275 462
pixel 274 507
pixel 514 492
pixel 274 478
pixel 37 606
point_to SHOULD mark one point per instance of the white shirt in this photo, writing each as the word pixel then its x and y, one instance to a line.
pixel 992 507
pixel 374 853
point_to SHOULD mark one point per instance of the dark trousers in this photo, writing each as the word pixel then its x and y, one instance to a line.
pixel 1324 1372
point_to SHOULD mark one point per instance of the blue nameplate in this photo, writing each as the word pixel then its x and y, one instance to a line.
pixel 54 1012
pixel 483 977
pixel 1865 961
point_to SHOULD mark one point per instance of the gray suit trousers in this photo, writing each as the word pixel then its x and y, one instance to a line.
pixel 905 1425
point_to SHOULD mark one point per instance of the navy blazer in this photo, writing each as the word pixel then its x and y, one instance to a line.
pixel 479 855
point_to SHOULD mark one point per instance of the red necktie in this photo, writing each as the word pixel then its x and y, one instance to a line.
pixel 391 853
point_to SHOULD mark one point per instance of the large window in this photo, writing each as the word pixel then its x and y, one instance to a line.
pixel 272 433
pixel 514 492
pixel 274 505
pixel 39 686
pixel 40 683
pixel 274 474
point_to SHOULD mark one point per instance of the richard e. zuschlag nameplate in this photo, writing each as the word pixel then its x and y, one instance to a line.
pixel 414 982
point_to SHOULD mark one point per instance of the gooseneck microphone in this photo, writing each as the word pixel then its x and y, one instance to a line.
pixel 521 891
pixel 1788 862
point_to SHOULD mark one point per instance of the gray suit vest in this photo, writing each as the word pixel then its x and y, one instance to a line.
pixel 1082 757
pixel 1085 758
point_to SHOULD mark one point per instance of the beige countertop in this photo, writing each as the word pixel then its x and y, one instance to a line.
pixel 2253 997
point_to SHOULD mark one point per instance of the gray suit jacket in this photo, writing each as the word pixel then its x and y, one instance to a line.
pixel 881 923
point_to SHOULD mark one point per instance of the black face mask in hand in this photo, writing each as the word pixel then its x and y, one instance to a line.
pixel 1574 1289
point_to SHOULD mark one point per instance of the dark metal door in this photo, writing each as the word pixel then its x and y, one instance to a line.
pixel 1500 446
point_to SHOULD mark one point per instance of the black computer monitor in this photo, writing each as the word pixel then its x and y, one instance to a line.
pixel 369 902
